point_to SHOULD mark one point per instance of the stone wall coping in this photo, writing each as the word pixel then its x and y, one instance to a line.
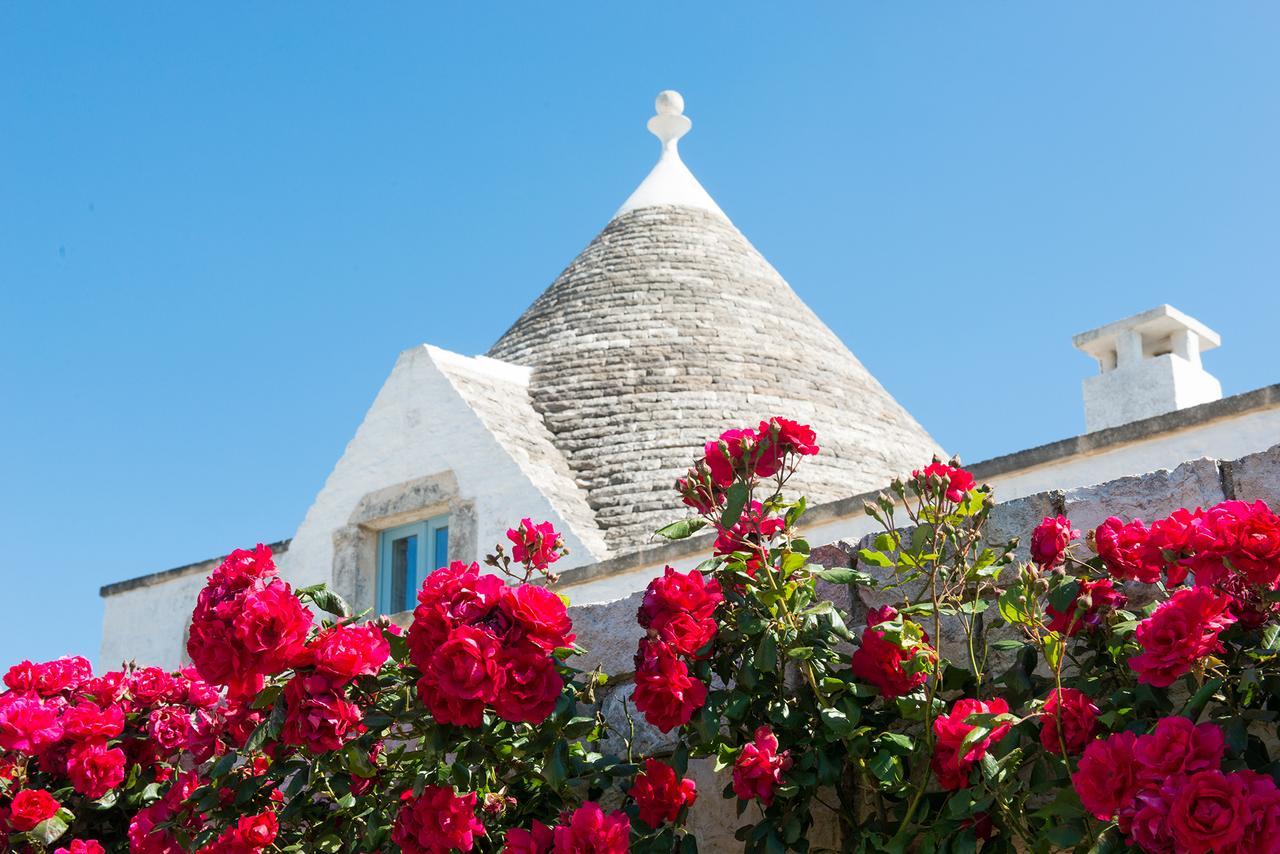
pixel 279 547
pixel 1089 443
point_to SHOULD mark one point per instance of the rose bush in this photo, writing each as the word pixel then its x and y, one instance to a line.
pixel 1118 689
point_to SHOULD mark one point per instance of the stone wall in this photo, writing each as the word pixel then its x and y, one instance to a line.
pixel 609 631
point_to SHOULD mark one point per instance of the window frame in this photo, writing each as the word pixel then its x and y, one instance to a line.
pixel 426 559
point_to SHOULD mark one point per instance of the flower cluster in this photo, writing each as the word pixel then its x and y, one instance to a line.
pixel 894 655
pixel 588 830
pixel 481 644
pixel 1168 791
pixel 764 451
pixel 953 482
pixel 247 624
pixel 1232 548
pixel 679 613
pixel 537 546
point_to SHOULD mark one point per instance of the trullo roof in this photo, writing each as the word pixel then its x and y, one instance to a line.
pixel 671 327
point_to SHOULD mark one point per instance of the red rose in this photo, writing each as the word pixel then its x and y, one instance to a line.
pixel 436 822
pixel 678 607
pixel 958 481
pixel 272 627
pixel 95 769
pixel 539 839
pixel 1050 539
pixel 1179 633
pixel 461 676
pixel 1127 552
pixel 895 666
pixel 536 615
pixel 1179 535
pixel 1145 821
pixel 151 685
pixel 531 685
pixel 317 717
pixel 1105 779
pixel 82 846
pixel 30 807
pixel 86 720
pixel 590 831
pixel 660 793
pixel 1093 600
pixel 49 678
pixel 665 692
pixel 538 545
pixel 724 456
pixel 1177 746
pixel 758 770
pixel 145 834
pixel 249 835
pixel 28 725
pixel 1262 832
pixel 456 595
pixel 170 728
pixel 750 533
pixel 1208 811
pixel 342 653
pixel 949 730
pixel 779 437
pixel 1070 719
pixel 1257 551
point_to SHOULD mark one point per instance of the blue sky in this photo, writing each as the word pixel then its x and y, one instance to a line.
pixel 219 225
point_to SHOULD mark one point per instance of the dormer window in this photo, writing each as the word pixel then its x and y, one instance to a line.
pixel 406 555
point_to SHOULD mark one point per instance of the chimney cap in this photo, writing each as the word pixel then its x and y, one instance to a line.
pixel 1158 322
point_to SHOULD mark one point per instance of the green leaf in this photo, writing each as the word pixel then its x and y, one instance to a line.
pixel 326 600
pixel 838 722
pixel 875 558
pixel 843 575
pixel 736 499
pixel 767 654
pixel 49 830
pixel 1013 607
pixel 1053 645
pixel 683 529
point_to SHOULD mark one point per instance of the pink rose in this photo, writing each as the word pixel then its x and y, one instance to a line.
pixel 342 653
pixel 590 831
pixel 1070 719
pixel 1127 551
pixel 317 717
pixel 95 769
pixel 1179 633
pixel 665 692
pixel 1105 779
pixel 660 793
pixel 436 822
pixel 1050 539
pixel 531 685
pixel 758 770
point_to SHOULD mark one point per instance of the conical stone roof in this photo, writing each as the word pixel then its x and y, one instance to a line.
pixel 669 328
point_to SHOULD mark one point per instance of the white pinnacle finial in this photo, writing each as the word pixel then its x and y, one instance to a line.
pixel 670 123
pixel 670 182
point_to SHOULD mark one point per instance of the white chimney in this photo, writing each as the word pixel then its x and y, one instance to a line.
pixel 1150 364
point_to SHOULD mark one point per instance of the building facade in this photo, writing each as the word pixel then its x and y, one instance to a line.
pixel 657 336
